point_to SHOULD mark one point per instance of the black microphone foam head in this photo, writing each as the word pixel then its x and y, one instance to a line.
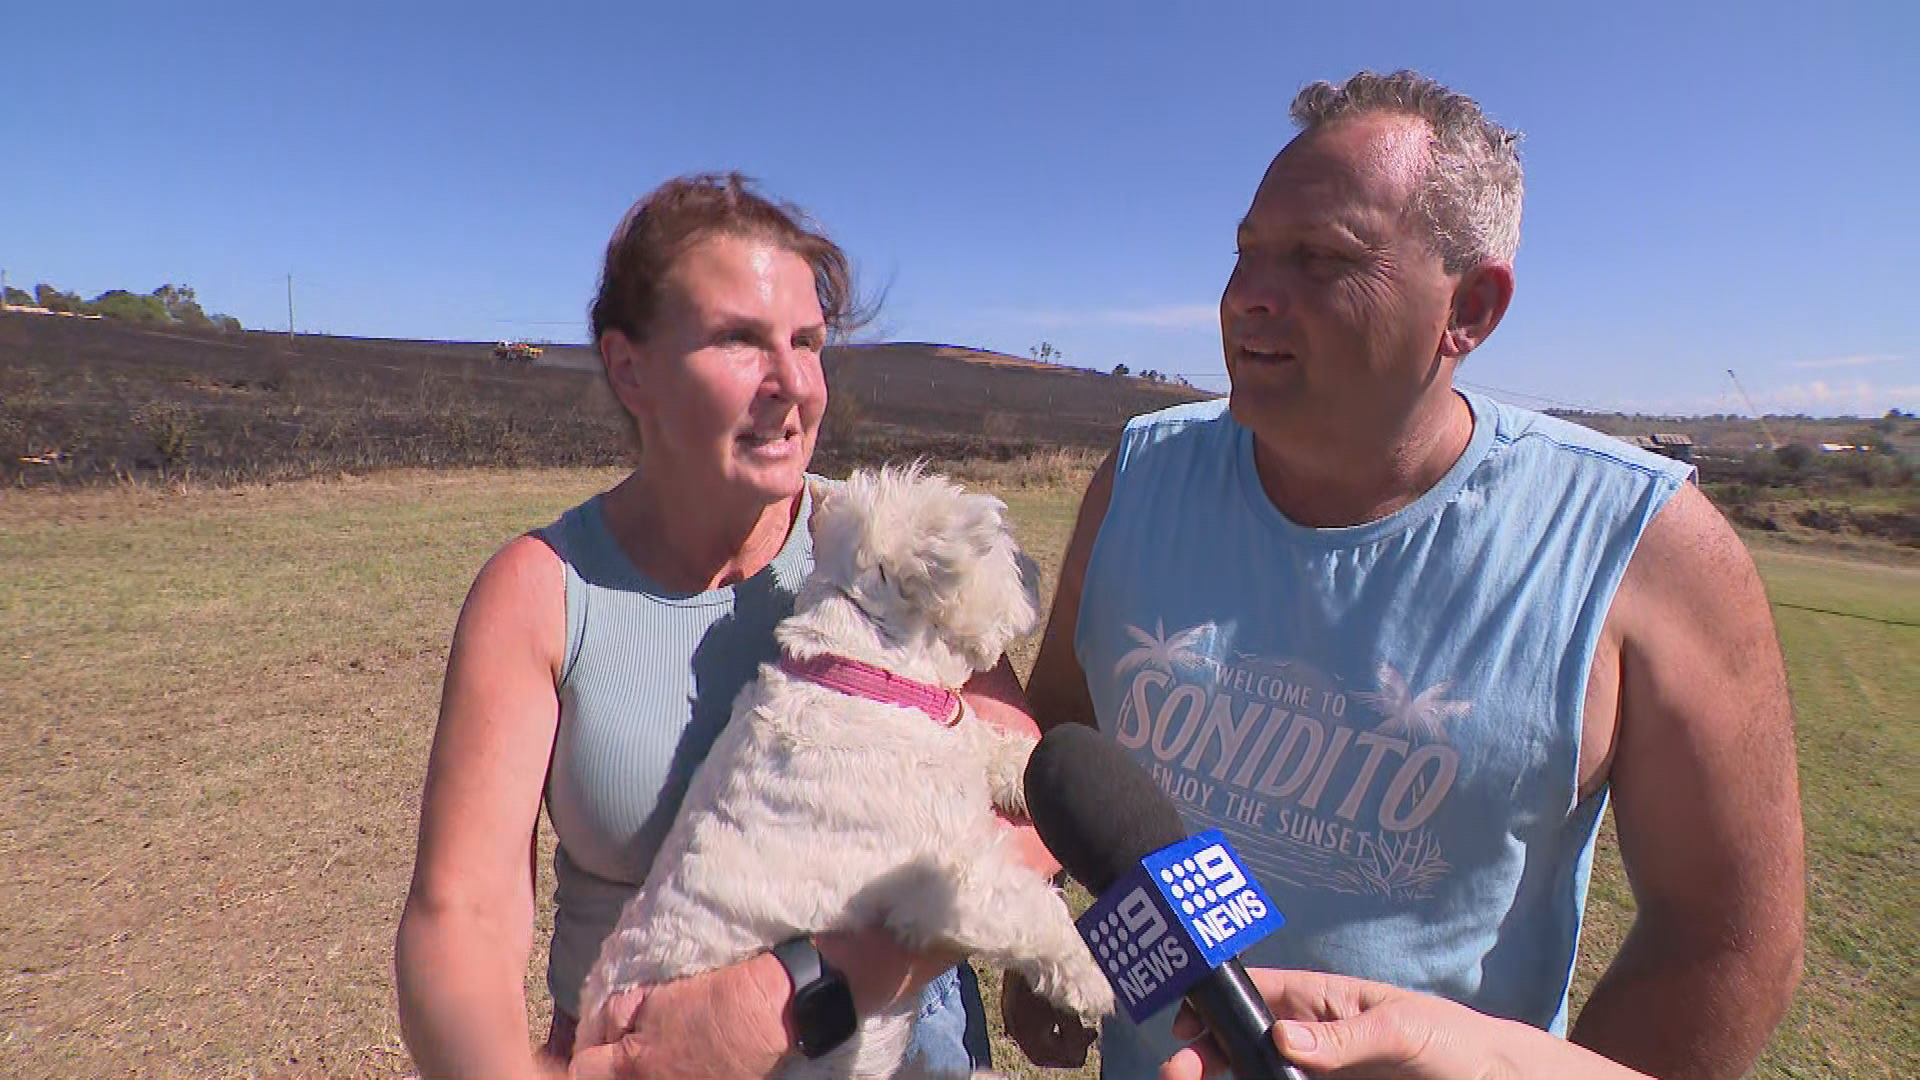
pixel 1094 808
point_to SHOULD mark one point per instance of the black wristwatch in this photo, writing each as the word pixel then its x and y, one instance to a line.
pixel 823 1016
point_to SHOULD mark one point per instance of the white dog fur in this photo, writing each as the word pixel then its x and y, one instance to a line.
pixel 818 811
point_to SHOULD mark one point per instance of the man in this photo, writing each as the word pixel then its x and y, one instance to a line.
pixel 1400 642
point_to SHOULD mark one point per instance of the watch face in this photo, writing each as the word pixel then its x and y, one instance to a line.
pixel 823 1016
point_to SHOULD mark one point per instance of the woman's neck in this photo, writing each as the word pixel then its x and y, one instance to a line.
pixel 691 543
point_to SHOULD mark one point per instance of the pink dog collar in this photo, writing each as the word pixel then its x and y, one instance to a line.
pixel 861 680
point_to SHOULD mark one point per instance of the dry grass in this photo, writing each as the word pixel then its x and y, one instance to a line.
pixel 221 702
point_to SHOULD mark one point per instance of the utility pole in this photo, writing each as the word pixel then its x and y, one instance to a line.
pixel 289 312
pixel 1772 443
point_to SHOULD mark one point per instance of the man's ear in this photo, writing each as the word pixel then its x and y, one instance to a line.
pixel 1479 303
pixel 620 357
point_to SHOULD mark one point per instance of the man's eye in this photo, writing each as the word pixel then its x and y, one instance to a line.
pixel 1321 261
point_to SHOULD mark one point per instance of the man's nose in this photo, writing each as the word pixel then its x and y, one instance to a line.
pixel 1256 288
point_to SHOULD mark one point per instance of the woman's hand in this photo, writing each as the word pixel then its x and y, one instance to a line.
pixel 1354 1029
pixel 719 1025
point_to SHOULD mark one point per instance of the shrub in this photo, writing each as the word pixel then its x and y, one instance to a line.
pixel 171 427
pixel 996 424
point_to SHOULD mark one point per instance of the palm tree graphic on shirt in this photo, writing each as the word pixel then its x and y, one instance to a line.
pixel 1160 651
pixel 1424 715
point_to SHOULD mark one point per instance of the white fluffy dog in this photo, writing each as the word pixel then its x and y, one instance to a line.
pixel 819 810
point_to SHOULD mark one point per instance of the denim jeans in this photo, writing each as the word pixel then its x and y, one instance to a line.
pixel 951 1031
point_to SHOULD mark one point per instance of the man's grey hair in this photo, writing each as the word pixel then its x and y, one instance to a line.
pixel 1471 198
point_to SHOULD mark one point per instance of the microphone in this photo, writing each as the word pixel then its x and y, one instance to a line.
pixel 1172 911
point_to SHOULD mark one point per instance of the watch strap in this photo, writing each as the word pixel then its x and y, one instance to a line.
pixel 822 1009
pixel 802 961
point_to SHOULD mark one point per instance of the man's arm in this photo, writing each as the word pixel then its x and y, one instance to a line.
pixel 1706 800
pixel 1057 688
pixel 1057 693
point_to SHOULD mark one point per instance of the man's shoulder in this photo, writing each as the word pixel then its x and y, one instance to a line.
pixel 1179 417
pixel 1571 445
pixel 1210 410
pixel 1171 429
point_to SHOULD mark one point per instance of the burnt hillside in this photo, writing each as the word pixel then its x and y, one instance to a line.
pixel 88 400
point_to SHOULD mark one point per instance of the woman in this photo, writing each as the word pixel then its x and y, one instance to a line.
pixel 595 661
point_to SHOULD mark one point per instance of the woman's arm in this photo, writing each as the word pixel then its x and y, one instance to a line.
pixel 995 696
pixel 460 958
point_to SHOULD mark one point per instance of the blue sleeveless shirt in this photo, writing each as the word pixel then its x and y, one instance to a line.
pixel 1384 719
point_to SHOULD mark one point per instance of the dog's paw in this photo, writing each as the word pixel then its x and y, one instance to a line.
pixel 1079 987
pixel 1006 773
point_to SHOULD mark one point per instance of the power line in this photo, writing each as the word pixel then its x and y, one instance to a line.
pixel 1526 397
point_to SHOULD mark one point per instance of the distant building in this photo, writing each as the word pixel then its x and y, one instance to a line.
pixel 34 309
pixel 1670 444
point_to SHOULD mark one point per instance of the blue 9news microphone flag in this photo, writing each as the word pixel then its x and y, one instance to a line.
pixel 1181 913
pixel 1173 910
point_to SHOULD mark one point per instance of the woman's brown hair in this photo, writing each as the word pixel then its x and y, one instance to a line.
pixel 685 209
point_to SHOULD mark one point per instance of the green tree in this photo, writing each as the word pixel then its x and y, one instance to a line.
pixel 53 299
pixel 181 306
pixel 18 297
pixel 130 307
pixel 227 324
pixel 1121 369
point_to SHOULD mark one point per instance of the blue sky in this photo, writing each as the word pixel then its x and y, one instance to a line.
pixel 1709 186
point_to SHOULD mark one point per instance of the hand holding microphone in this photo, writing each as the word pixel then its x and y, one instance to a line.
pixel 1158 940
pixel 1172 912
pixel 1339 1026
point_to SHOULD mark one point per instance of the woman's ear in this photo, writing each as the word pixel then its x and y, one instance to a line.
pixel 621 358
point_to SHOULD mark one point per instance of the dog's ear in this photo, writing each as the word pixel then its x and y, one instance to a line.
pixel 982 591
pixel 834 526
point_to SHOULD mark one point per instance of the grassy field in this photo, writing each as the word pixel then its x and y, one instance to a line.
pixel 219 706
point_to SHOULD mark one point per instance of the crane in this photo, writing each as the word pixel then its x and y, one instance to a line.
pixel 1772 443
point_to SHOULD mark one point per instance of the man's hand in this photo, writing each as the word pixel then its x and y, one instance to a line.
pixel 1050 1037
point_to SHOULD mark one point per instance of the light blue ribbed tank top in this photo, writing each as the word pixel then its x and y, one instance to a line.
pixel 648 683
pixel 1384 719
